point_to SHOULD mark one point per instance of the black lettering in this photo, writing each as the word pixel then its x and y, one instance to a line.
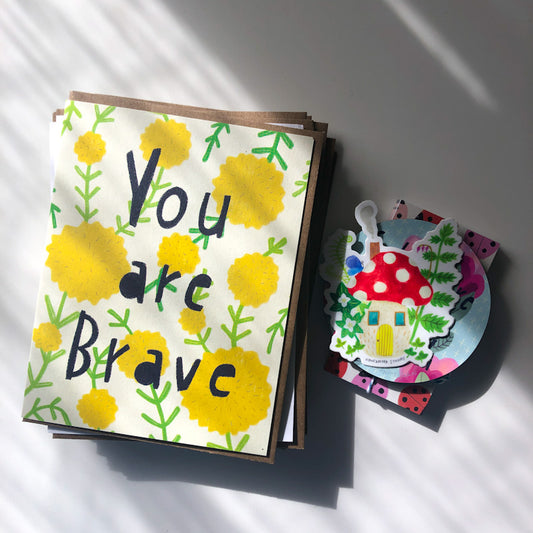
pixel 184 382
pixel 82 348
pixel 182 196
pixel 132 284
pixel 148 373
pixel 164 280
pixel 227 371
pixel 140 190
pixel 201 280
pixel 218 228
pixel 112 357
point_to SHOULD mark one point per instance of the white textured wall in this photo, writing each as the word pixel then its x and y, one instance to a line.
pixel 430 101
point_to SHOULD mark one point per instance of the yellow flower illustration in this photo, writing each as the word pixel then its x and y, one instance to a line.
pixel 47 337
pixel 192 321
pixel 253 279
pixel 172 137
pixel 140 342
pixel 254 185
pixel 90 148
pixel 179 253
pixel 97 408
pixel 249 392
pixel 87 261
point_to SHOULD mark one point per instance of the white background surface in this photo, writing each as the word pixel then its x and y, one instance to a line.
pixel 430 101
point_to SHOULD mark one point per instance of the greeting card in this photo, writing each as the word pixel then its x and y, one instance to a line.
pixel 174 264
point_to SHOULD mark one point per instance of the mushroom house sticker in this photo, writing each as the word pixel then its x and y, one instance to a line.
pixel 387 304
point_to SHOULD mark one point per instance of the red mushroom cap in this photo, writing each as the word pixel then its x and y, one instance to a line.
pixel 390 276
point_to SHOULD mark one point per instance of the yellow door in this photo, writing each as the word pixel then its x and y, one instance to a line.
pixel 384 340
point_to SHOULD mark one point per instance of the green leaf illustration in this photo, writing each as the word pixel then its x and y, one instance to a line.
pixel 441 343
pixel 411 313
pixel 421 356
pixel 441 299
pixel 433 323
pixel 444 277
pixel 447 257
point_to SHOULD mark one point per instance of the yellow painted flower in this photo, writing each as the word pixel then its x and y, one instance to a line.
pixel 172 137
pixel 97 408
pixel 87 261
pixel 192 321
pixel 253 279
pixel 47 337
pixel 140 342
pixel 248 397
pixel 90 148
pixel 179 253
pixel 254 185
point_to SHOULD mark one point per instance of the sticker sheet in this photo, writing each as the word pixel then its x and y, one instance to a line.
pixel 174 248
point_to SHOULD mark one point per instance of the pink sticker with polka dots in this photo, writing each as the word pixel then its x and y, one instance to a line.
pixel 387 304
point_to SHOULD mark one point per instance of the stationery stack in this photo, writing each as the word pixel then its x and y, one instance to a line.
pixel 173 300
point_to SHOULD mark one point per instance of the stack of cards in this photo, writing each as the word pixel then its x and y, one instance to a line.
pixel 173 299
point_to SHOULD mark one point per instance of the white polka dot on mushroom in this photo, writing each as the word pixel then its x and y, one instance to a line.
pixel 389 258
pixel 402 275
pixel 360 295
pixel 379 286
pixel 425 291
pixel 369 267
pixel 408 302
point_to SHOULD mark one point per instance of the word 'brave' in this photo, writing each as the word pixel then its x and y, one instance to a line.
pixel 139 190
pixel 146 372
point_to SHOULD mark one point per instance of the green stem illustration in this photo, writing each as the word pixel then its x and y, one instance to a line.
pixel 214 139
pixel 86 194
pixel 273 151
pixel 55 316
pixel 98 360
pixel 201 340
pixel 69 111
pixel 102 116
pixel 229 445
pixel 276 328
pixel 157 401
pixel 35 381
pixel 52 406
pixel 302 183
pixel 49 356
pixel 275 247
pixel 237 320
pixel 121 322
